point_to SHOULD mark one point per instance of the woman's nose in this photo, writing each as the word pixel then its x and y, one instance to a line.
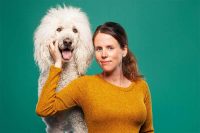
pixel 104 54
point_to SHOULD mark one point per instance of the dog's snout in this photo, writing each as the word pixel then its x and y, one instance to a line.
pixel 67 42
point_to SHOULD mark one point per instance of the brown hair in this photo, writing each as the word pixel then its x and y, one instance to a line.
pixel 129 63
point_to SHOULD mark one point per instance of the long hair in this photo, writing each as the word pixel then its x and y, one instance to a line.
pixel 129 63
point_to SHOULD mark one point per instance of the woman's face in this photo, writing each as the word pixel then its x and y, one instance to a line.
pixel 108 52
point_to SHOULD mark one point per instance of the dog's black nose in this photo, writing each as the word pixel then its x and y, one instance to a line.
pixel 67 42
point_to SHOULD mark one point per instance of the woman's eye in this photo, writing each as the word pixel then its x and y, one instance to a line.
pixel 98 49
pixel 59 29
pixel 110 48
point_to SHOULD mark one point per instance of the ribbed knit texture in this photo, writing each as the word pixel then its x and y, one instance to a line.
pixel 107 108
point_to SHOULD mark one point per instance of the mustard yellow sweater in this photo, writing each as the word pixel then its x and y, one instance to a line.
pixel 107 108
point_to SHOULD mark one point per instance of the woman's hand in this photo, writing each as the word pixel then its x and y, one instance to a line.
pixel 55 53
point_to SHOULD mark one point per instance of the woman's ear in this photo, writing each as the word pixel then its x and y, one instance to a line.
pixel 125 51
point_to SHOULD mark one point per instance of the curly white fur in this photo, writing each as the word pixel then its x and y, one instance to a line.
pixel 67 18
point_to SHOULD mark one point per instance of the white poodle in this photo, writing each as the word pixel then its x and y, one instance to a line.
pixel 70 27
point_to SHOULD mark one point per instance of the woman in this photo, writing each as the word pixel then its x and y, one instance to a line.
pixel 116 101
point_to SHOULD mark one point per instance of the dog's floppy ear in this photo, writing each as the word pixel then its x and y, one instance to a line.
pixel 84 53
pixel 41 52
pixel 44 33
pixel 85 49
pixel 83 56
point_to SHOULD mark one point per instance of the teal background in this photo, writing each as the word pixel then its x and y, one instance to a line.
pixel 163 34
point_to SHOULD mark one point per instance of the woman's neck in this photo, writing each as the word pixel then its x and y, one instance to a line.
pixel 116 78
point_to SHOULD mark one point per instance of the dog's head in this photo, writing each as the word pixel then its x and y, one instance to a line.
pixel 70 27
pixel 67 33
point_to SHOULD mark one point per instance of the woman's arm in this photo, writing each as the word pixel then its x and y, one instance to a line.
pixel 147 127
pixel 51 102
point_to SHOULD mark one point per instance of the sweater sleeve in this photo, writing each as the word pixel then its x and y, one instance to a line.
pixel 51 101
pixel 147 127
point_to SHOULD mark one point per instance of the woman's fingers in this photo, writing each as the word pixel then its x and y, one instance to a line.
pixel 51 48
pixel 56 47
pixel 54 51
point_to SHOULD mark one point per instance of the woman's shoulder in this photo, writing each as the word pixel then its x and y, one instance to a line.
pixel 141 81
pixel 86 78
pixel 142 84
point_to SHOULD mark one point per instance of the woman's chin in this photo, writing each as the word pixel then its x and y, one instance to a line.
pixel 107 70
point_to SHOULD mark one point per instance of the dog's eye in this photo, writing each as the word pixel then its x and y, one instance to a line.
pixel 59 29
pixel 75 30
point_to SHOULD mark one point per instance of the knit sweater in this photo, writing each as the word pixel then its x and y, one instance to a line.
pixel 107 108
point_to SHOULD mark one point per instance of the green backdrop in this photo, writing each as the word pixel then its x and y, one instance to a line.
pixel 163 34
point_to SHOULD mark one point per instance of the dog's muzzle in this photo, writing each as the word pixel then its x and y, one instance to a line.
pixel 66 49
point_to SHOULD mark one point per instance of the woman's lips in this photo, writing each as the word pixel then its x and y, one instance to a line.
pixel 105 62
